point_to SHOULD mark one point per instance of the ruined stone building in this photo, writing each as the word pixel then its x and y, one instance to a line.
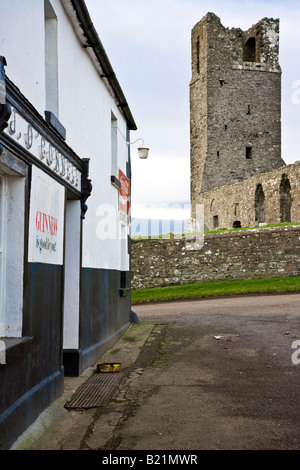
pixel 237 171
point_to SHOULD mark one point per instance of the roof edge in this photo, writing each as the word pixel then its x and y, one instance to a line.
pixel 95 43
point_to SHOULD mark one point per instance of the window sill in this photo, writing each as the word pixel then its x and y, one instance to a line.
pixel 115 182
pixel 15 348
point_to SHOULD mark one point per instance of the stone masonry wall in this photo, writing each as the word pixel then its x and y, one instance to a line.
pixel 245 254
pixel 235 104
pixel 236 202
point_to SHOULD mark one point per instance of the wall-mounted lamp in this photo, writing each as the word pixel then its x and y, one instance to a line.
pixel 143 152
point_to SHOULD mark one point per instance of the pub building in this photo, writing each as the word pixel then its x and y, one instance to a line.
pixel 64 205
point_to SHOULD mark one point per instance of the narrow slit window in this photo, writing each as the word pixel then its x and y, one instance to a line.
pixel 198 55
pixel 285 199
pixel 259 204
pixel 248 153
pixel 215 221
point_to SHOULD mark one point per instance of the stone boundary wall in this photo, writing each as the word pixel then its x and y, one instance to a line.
pixel 244 254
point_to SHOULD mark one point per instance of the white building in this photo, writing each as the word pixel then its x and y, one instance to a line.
pixel 64 244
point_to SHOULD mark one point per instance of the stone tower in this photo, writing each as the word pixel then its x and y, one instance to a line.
pixel 235 103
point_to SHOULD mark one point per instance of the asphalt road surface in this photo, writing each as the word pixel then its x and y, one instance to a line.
pixel 218 374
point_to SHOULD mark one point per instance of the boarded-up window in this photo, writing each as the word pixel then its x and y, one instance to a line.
pixel 285 199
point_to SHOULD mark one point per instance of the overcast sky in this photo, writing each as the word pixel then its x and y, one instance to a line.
pixel 148 44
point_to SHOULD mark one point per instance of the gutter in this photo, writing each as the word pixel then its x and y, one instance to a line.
pixel 95 43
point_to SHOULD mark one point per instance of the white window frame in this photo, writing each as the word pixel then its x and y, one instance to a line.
pixel 12 220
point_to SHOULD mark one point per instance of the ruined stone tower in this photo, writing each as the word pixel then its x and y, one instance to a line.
pixel 235 103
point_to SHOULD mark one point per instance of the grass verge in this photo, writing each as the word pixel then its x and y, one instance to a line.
pixel 217 288
pixel 136 239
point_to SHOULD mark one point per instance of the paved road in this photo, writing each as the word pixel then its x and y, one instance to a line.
pixel 210 374
pixel 239 392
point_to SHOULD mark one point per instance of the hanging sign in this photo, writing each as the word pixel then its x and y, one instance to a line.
pixel 124 194
pixel 46 225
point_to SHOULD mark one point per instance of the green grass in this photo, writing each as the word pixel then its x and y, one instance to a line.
pixel 217 288
pixel 170 235
pixel 282 224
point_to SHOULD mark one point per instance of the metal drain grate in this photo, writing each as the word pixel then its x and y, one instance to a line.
pixel 96 390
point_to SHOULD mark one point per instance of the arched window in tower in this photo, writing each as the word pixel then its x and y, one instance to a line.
pixel 259 204
pixel 285 199
pixel 250 50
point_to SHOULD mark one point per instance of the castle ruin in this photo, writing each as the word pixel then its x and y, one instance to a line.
pixel 237 171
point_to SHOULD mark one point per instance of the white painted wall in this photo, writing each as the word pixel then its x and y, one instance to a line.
pixel 84 109
pixel 22 44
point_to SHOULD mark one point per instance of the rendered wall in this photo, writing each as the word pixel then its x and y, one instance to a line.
pixel 85 105
pixel 34 373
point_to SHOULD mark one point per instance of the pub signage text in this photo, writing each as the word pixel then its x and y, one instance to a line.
pixel 29 138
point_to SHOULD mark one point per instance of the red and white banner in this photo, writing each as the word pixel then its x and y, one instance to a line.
pixel 124 194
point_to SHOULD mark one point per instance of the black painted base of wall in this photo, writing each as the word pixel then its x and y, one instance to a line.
pixel 72 362
pixel 33 376
pixel 105 314
pixel 77 361
pixel 16 419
